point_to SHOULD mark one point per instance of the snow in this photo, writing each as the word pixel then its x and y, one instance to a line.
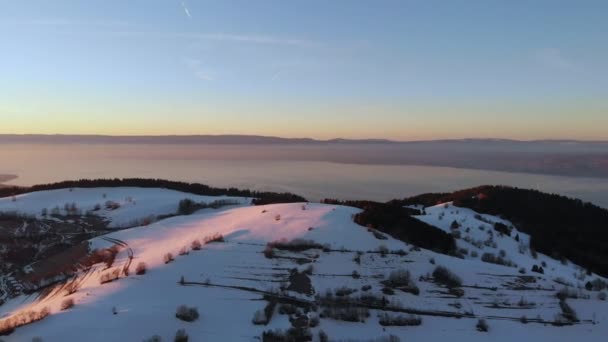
pixel 135 203
pixel 146 303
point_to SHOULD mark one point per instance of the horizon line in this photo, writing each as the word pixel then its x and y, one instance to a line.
pixel 269 138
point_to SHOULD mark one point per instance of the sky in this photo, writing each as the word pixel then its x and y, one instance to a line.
pixel 404 70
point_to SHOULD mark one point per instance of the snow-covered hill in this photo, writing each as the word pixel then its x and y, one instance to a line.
pixel 317 250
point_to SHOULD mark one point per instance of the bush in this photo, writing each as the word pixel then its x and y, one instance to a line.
pixel 498 260
pixel 386 319
pixel 344 291
pixel 109 276
pixel 217 237
pixel 269 251
pixel 67 304
pixel 181 336
pixel 186 207
pixel 295 245
pixel 601 296
pixel 188 314
pixel 456 291
pixel 183 251
pixel 287 309
pixel 568 312
pixel 141 268
pixel 444 276
pixel 347 314
pixel 292 334
pixel 482 325
pixel 154 338
pixel 402 279
pixel 168 257
pixel 196 245
pixel 566 292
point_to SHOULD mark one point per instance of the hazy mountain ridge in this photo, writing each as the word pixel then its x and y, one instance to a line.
pixel 259 139
pixel 562 157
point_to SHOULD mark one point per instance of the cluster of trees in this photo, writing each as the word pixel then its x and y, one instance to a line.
pixel 561 227
pixel 261 197
pixel 399 223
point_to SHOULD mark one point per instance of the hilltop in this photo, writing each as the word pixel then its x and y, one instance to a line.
pixel 363 271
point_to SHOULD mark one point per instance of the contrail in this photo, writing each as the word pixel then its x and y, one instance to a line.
pixel 186 10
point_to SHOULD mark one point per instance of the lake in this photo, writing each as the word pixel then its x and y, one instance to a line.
pixel 245 167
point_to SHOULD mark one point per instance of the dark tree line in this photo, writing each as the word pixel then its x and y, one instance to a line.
pixel 260 197
pixel 398 222
pixel 559 226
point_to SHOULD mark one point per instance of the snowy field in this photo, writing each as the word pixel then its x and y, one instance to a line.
pixel 228 281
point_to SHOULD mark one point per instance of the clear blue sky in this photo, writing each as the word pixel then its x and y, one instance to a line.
pixel 379 69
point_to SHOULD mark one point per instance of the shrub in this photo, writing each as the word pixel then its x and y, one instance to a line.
pixel 388 291
pixel 356 275
pixel 295 245
pixel 601 296
pixel 347 314
pixel 344 291
pixel 566 292
pixel 196 245
pixel 502 228
pixel 383 250
pixel 111 205
pixel 386 319
pixel 141 268
pixel 287 309
pixel 181 336
pixel 168 257
pixel 400 278
pixel 67 304
pixel 357 258
pixel 444 276
pixel 568 312
pixel 183 251
pixel 292 334
pixel 188 314
pixel 366 288
pixel 109 276
pixel 217 237
pixel 186 207
pixel 269 251
pixel 456 291
pixel 482 325
pixel 498 260
pixel 154 338
pixel 537 269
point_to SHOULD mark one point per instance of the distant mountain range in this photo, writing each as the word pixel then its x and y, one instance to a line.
pixel 256 139
pixel 554 157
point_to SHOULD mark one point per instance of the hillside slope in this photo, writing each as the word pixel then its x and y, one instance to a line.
pixel 320 270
